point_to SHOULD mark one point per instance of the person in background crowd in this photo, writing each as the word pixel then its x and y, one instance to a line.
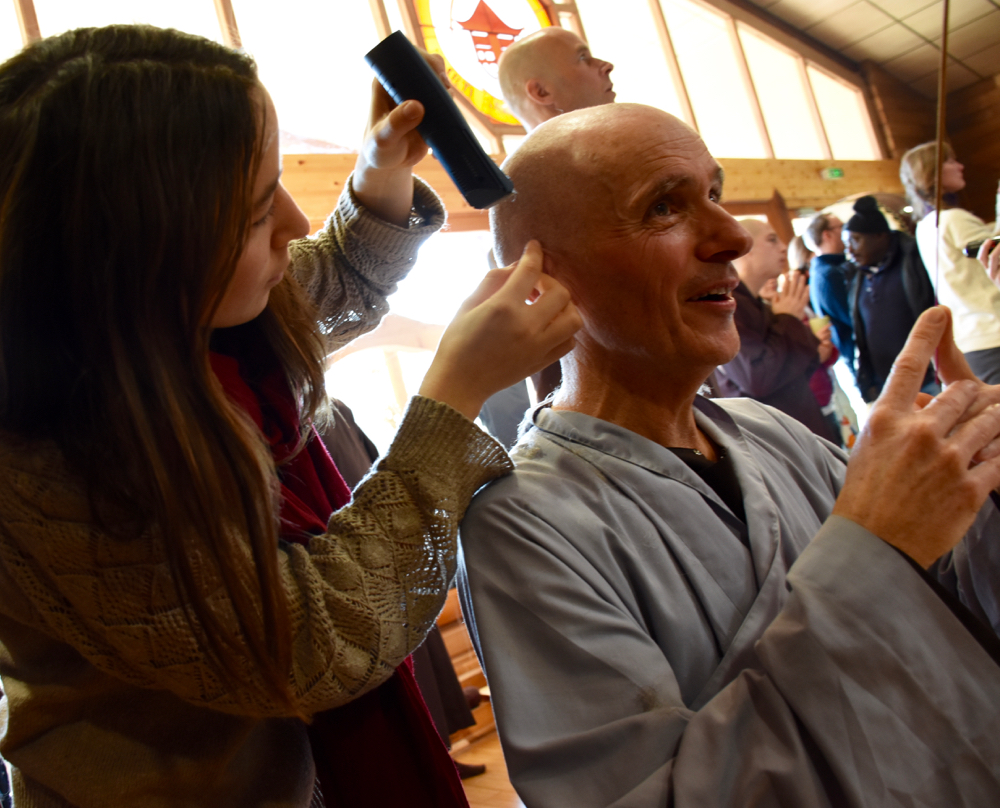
pixel 829 277
pixel 822 383
pixel 187 593
pixel 503 412
pixel 799 256
pixel 958 280
pixel 543 75
pixel 4 786
pixel 778 351
pixel 888 293
pixel 551 72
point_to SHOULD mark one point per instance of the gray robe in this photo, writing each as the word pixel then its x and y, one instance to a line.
pixel 639 652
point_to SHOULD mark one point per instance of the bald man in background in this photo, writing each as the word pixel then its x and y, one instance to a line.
pixel 778 351
pixel 552 72
pixel 541 76
pixel 685 602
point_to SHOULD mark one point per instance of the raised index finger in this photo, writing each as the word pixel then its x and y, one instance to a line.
pixel 907 376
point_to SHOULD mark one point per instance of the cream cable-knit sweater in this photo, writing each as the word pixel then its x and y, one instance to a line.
pixel 109 700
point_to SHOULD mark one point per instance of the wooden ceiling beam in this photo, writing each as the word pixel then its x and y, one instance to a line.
pixel 27 20
pixel 316 180
pixel 227 23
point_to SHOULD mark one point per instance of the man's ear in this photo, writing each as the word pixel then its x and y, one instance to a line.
pixel 536 91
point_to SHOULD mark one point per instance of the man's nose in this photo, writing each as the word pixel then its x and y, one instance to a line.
pixel 606 67
pixel 722 238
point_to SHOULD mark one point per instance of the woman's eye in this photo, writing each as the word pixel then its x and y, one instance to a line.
pixel 265 218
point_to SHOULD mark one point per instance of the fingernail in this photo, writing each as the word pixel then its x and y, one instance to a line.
pixel 409 109
pixel 936 314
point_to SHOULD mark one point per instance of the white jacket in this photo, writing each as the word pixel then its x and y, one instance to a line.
pixel 960 282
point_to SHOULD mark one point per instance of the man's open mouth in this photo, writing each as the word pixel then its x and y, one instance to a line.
pixel 718 295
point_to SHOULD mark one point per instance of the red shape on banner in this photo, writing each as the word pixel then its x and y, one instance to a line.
pixel 491 35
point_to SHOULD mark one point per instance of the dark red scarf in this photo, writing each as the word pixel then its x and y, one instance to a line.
pixel 381 750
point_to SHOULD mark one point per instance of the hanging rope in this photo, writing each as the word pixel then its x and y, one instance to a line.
pixel 942 105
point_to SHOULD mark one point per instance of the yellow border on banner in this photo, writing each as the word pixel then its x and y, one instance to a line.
pixel 485 102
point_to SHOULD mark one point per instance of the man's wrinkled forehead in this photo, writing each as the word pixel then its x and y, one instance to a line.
pixel 588 163
pixel 671 160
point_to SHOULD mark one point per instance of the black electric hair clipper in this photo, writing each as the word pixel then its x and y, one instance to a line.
pixel 405 75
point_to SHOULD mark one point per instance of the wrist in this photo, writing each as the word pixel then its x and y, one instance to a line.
pixel 467 403
pixel 385 192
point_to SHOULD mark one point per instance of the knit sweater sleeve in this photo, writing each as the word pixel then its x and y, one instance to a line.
pixel 361 597
pixel 353 264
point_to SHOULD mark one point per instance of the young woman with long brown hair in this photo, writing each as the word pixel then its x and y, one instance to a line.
pixel 184 598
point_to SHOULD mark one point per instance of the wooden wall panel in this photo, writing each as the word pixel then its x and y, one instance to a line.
pixel 905 117
pixel 801 183
pixel 316 180
pixel 974 130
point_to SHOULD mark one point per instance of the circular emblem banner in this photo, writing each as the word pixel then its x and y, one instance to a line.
pixel 471 35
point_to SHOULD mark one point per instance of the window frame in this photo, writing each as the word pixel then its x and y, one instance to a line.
pixel 567 15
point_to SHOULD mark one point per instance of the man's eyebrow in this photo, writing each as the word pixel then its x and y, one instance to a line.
pixel 268 192
pixel 662 187
pixel 668 185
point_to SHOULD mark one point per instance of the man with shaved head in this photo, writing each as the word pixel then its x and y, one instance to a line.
pixel 551 72
pixel 688 602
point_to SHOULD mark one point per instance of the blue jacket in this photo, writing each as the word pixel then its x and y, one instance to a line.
pixel 829 278
pixel 918 296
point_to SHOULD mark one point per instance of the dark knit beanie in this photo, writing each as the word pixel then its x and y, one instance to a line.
pixel 867 217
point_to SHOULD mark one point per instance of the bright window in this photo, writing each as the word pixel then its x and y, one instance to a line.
pixel 10 32
pixel 311 59
pixel 193 16
pixel 394 14
pixel 641 74
pixel 845 117
pixel 364 381
pixel 714 81
pixel 448 269
pixel 778 80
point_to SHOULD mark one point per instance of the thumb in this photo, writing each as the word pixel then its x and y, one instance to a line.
pixel 950 362
pixel 492 282
pixel 399 123
pixel 910 367
pixel 526 272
